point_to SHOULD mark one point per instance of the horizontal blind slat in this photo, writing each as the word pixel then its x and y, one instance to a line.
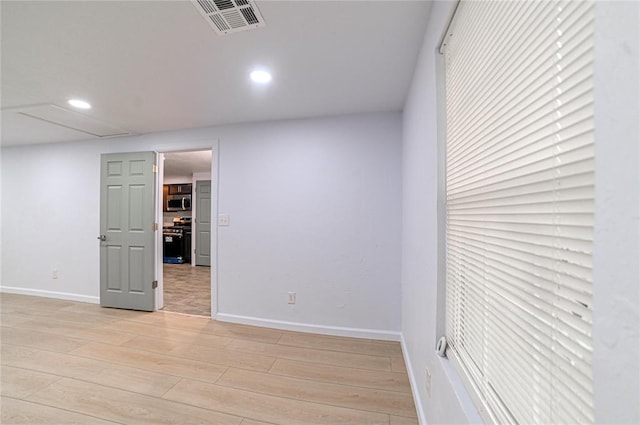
pixel 520 208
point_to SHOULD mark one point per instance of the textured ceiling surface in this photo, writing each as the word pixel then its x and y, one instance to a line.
pixel 184 164
pixel 150 66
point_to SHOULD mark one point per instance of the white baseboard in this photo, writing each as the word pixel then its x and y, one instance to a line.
pixel 422 419
pixel 306 327
pixel 50 294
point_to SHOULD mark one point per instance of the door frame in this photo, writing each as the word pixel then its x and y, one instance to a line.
pixel 215 159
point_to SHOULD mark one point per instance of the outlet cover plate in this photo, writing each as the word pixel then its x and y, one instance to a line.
pixel 224 220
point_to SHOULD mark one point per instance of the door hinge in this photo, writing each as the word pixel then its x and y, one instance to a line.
pixel 154 168
pixel 154 227
pixel 154 284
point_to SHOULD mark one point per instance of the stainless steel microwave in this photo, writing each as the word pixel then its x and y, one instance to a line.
pixel 179 203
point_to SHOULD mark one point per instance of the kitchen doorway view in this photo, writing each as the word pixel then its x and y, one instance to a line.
pixel 186 271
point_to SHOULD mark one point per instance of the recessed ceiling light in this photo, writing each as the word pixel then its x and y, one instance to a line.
pixel 261 77
pixel 81 104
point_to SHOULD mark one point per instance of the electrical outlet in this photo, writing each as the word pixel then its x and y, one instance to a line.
pixel 292 297
pixel 224 220
pixel 428 382
pixel 54 274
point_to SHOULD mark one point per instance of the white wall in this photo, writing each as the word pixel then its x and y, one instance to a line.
pixel 617 237
pixel 50 200
pixel 616 265
pixel 316 213
pixel 177 179
pixel 420 292
pixel 314 205
pixel 199 176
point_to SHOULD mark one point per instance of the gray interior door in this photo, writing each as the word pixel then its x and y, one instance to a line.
pixel 127 248
pixel 203 223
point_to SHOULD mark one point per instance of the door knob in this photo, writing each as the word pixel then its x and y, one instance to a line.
pixel 102 238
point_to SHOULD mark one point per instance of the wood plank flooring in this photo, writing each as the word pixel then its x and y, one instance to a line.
pixel 187 289
pixel 65 362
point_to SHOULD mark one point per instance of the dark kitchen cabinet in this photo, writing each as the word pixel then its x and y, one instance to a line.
pixel 180 189
pixel 174 189
pixel 165 194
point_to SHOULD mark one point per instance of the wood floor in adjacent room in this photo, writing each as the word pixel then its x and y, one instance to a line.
pixel 67 362
pixel 187 289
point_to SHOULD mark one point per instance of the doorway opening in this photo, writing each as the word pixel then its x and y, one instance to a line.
pixel 186 211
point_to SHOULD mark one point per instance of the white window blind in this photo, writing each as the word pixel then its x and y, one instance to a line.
pixel 520 205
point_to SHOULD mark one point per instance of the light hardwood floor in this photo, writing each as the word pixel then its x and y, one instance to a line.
pixel 67 362
pixel 187 289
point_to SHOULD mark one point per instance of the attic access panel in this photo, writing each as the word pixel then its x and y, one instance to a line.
pixel 73 120
pixel 229 16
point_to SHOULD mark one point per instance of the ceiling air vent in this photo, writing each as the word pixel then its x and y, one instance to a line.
pixel 229 16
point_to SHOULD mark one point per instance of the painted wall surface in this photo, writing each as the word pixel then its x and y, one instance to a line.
pixel 315 211
pixel 50 205
pixel 617 243
pixel 420 188
pixel 616 262
pixel 178 179
pixel 314 206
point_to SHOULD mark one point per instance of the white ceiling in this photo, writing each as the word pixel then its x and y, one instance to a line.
pixel 149 66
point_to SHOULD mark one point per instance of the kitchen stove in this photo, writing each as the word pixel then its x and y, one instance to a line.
pixel 177 241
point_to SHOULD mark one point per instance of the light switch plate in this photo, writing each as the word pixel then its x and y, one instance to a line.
pixel 223 220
